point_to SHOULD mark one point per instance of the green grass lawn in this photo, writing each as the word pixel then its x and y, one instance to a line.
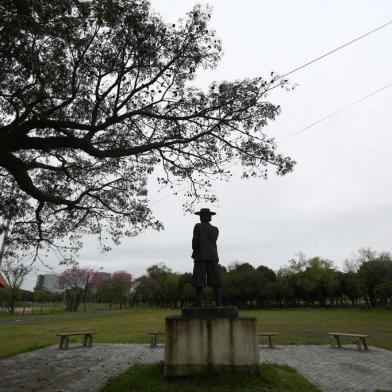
pixel 272 378
pixel 296 326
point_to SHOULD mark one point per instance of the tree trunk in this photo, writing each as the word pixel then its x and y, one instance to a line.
pixel 12 301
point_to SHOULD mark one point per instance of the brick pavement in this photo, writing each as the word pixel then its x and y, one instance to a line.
pixel 81 369
pixel 337 370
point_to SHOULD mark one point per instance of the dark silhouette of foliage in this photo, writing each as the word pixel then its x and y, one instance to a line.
pixel 314 282
pixel 115 289
pixel 374 272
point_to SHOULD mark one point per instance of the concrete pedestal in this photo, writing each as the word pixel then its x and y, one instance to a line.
pixel 199 345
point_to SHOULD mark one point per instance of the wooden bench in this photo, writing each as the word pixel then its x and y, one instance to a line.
pixel 154 337
pixel 360 339
pixel 269 334
pixel 64 338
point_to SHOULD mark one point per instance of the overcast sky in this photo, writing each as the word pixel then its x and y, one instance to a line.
pixel 338 199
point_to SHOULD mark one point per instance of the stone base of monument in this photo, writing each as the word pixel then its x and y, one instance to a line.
pixel 210 339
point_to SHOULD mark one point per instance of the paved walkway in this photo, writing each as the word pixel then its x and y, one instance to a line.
pixel 337 370
pixel 25 319
pixel 80 369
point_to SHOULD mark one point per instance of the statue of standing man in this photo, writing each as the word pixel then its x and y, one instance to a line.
pixel 205 254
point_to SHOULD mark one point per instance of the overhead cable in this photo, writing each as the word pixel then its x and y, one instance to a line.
pixel 337 112
pixel 335 50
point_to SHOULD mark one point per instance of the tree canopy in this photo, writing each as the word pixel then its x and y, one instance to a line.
pixel 76 282
pixel 94 96
pixel 304 281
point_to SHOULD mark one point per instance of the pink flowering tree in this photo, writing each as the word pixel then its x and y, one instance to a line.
pixel 76 282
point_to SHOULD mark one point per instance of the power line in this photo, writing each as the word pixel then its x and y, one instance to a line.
pixel 337 112
pixel 166 197
pixel 305 128
pixel 335 50
pixel 303 66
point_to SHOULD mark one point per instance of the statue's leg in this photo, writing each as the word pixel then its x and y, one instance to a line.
pixel 198 280
pixel 214 280
pixel 217 296
pixel 199 295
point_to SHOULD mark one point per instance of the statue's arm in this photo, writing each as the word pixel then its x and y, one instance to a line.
pixel 195 239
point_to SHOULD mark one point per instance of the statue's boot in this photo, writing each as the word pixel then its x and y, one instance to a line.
pixel 217 297
pixel 199 295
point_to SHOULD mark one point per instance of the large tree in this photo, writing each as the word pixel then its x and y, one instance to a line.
pixel 15 271
pixel 373 274
pixel 116 289
pixel 77 283
pixel 96 94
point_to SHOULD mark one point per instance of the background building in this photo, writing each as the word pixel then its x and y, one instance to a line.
pixel 104 275
pixel 48 282
pixel 3 282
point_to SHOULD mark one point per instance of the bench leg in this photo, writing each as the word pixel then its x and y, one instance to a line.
pixel 90 340
pixel 85 340
pixel 359 344
pixel 61 345
pixel 66 341
pixel 270 342
pixel 365 346
pixel 338 341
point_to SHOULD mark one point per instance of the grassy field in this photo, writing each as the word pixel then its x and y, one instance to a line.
pixel 296 326
pixel 272 378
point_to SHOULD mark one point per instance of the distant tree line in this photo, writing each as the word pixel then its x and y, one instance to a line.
pixel 366 281
pixel 80 286
pixel 316 282
pixel 88 285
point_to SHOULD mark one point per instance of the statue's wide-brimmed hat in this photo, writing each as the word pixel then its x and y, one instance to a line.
pixel 205 211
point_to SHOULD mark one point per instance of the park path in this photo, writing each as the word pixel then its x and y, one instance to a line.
pixel 82 369
pixel 53 317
